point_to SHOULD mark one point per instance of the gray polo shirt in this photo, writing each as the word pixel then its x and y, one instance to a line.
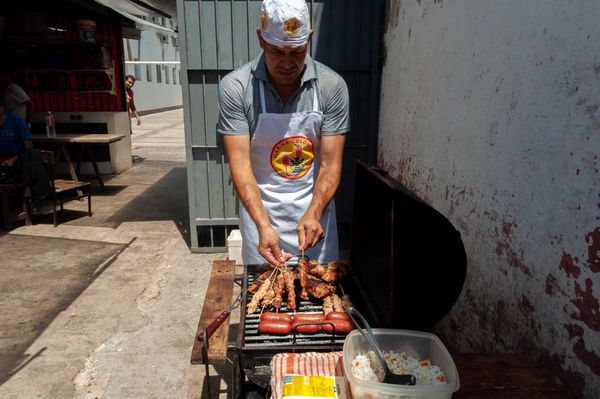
pixel 239 98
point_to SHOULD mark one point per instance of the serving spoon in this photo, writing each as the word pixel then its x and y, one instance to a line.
pixel 388 376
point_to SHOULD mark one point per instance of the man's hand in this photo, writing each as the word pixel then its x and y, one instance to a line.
pixel 268 246
pixel 139 120
pixel 310 232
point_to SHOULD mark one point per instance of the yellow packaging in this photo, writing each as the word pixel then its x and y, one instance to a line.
pixel 310 387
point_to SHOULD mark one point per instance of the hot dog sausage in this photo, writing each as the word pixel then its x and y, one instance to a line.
pixel 276 316
pixel 298 317
pixel 274 327
pixel 307 328
pixel 341 326
pixel 338 316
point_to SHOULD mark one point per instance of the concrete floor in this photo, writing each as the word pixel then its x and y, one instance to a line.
pixel 107 306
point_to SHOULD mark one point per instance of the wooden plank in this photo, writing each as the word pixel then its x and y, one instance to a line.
pixel 218 299
pixel 495 376
pixel 79 138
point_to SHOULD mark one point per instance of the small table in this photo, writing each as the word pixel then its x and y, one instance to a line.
pixel 84 140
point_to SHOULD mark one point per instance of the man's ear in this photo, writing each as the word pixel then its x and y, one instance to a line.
pixel 310 33
pixel 260 39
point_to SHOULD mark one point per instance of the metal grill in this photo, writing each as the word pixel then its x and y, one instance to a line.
pixel 255 349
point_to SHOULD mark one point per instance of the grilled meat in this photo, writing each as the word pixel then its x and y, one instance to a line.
pixel 319 289
pixel 288 279
pixel 327 305
pixel 278 288
pixel 259 278
pixel 337 303
pixel 253 305
pixel 269 297
pixel 315 268
pixel 302 276
pixel 335 271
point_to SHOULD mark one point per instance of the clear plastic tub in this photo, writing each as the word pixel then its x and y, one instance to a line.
pixel 417 344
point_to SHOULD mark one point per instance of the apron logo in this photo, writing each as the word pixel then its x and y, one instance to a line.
pixel 292 157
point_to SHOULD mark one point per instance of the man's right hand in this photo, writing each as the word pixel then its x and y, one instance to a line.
pixel 268 246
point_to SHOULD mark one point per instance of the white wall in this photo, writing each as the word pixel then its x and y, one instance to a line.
pixel 152 95
pixel 490 113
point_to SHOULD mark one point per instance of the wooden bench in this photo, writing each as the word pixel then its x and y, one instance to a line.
pixel 218 301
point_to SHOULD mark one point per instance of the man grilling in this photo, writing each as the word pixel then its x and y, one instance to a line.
pixel 283 117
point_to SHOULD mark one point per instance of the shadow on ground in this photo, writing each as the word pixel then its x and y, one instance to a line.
pixel 37 287
pixel 167 199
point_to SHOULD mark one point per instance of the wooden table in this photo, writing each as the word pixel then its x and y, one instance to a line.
pixel 84 141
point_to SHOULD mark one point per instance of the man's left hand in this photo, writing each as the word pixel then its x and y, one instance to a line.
pixel 310 232
pixel 139 120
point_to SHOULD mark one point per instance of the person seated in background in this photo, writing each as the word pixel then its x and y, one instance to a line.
pixel 15 99
pixel 14 137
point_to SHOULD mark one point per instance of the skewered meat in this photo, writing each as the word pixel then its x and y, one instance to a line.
pixel 337 303
pixel 278 287
pixel 258 280
pixel 318 289
pixel 335 271
pixel 288 279
pixel 253 305
pixel 269 297
pixel 315 268
pixel 302 276
pixel 327 305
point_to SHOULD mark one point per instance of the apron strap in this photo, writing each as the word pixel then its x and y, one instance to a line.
pixel 315 98
pixel 263 109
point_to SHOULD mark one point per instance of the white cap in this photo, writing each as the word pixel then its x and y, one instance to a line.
pixel 285 22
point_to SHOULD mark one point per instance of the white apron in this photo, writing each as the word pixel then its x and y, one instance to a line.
pixel 284 154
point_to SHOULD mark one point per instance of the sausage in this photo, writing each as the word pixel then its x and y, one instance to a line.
pixel 274 327
pixel 298 317
pixel 276 317
pixel 337 316
pixel 306 328
pixel 341 326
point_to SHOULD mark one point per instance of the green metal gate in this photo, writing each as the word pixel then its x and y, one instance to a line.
pixel 218 36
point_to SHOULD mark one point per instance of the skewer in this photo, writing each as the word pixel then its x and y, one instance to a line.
pixel 275 270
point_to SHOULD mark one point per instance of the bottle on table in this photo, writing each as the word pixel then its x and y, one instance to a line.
pixel 50 124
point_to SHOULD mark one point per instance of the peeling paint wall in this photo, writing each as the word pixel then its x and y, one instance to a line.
pixel 490 113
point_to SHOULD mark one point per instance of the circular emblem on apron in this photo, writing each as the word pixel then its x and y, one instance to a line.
pixel 291 26
pixel 292 157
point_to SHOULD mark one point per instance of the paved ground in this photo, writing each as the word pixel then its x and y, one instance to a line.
pixel 107 306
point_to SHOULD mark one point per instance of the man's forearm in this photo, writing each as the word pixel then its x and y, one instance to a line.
pixel 247 190
pixel 327 184
pixel 237 149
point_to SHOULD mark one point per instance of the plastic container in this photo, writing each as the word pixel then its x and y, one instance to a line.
pixel 87 30
pixel 234 246
pixel 50 124
pixel 417 344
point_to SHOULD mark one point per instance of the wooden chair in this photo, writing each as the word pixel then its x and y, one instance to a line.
pixel 63 190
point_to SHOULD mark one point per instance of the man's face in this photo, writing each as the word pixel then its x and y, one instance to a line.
pixel 129 83
pixel 285 64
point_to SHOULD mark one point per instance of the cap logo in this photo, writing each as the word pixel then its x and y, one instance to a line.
pixel 291 27
pixel 264 20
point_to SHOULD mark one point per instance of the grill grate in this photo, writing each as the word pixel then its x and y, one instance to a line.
pixel 253 340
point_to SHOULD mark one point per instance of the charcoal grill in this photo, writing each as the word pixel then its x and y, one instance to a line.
pixel 401 249
pixel 255 350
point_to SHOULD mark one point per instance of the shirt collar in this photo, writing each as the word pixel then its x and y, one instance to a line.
pixel 259 69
